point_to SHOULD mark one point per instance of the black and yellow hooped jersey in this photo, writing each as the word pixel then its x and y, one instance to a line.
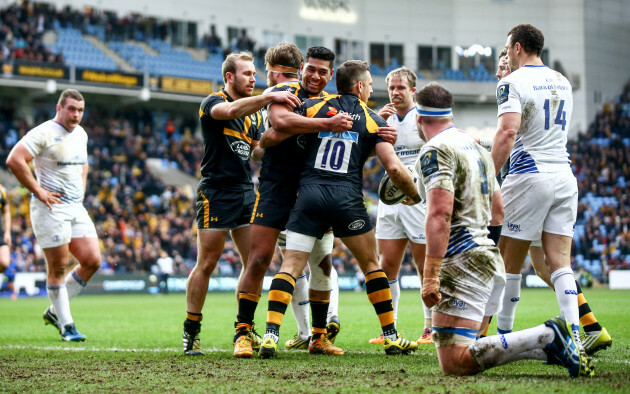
pixel 284 161
pixel 227 145
pixel 338 158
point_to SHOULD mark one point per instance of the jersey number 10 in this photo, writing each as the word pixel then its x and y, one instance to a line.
pixel 561 116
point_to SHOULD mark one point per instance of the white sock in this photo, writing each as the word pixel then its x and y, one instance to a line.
pixel 58 295
pixel 501 349
pixel 505 318
pixel 333 308
pixel 394 286
pixel 300 307
pixel 1 280
pixel 74 285
pixel 566 292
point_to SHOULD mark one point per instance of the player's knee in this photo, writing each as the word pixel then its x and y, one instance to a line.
pixel 206 263
pixel 259 262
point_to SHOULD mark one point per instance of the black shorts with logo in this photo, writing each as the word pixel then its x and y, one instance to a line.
pixel 221 209
pixel 319 207
pixel 274 201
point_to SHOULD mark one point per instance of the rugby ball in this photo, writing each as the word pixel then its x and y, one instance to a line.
pixel 389 193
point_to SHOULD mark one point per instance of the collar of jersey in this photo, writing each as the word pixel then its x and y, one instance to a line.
pixel 406 113
pixel 452 127
pixel 64 127
pixel 227 95
pixel 536 65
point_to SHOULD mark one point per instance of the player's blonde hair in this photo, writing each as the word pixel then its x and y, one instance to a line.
pixel 403 73
pixel 229 64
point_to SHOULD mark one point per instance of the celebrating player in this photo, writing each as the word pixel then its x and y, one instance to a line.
pixel 279 177
pixel 330 194
pixel 60 222
pixel 231 126
pixel 5 232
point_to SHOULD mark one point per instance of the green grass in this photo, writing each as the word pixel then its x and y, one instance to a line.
pixel 134 344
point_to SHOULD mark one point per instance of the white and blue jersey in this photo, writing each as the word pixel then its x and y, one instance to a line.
pixel 544 99
pixel 408 142
pixel 453 161
pixel 59 157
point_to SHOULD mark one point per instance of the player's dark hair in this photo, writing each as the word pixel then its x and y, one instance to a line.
pixel 349 73
pixel 72 93
pixel 434 95
pixel 229 64
pixel 321 53
pixel 287 55
pixel 503 53
pixel 530 38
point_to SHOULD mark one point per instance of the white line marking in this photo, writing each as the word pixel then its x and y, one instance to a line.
pixel 113 349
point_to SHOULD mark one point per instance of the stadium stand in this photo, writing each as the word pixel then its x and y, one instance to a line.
pixel 137 215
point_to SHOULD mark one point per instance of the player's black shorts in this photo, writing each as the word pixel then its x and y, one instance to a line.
pixel 222 209
pixel 274 201
pixel 2 243
pixel 318 207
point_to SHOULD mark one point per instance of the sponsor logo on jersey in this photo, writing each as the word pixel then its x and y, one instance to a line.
pixel 457 304
pixel 503 92
pixel 332 111
pixel 241 148
pixel 357 224
pixel 346 135
pixel 513 227
pixel 58 139
pixel 570 292
pixel 429 163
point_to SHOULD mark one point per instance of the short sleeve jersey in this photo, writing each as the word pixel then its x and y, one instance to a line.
pixel 544 99
pixel 338 158
pixel 284 161
pixel 59 157
pixel 408 143
pixel 227 145
pixel 455 162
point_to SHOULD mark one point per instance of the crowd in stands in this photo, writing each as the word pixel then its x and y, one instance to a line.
pixel 22 27
pixel 137 216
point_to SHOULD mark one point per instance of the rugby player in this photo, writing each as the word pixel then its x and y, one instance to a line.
pixel 231 124
pixel 330 194
pixel 463 272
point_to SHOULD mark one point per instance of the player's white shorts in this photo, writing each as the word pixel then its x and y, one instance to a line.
pixel 539 202
pixel 401 221
pixel 62 224
pixel 472 284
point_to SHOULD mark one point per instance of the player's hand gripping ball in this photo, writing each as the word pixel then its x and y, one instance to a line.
pixel 390 194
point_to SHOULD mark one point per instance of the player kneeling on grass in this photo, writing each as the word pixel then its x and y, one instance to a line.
pixel 464 275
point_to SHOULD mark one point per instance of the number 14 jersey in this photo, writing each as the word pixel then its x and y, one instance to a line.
pixel 544 99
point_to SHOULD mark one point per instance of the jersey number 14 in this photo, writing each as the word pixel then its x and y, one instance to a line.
pixel 561 116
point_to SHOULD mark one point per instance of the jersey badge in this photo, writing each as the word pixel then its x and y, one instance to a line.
pixel 429 163
pixel 332 111
pixel 503 92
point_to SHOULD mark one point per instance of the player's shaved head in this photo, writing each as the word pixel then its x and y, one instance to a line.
pixel 530 38
pixel 71 93
pixel 229 64
pixel 350 73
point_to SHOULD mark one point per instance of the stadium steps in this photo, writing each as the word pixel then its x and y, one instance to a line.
pixel 197 53
pixel 146 47
pixel 170 175
pixel 120 62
